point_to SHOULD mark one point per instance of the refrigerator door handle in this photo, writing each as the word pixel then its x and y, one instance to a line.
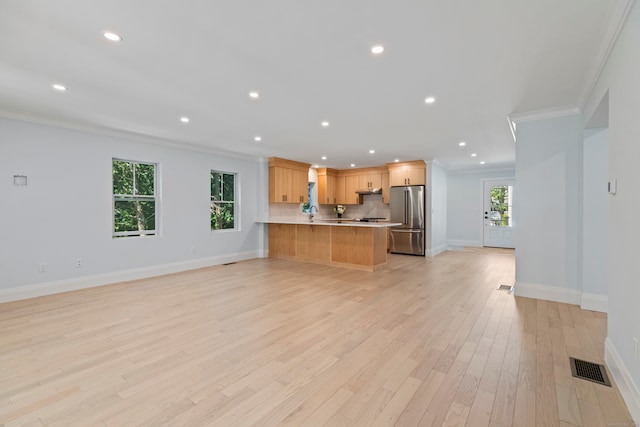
pixel 406 206
pixel 394 230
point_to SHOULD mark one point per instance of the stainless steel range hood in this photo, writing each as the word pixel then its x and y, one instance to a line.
pixel 369 191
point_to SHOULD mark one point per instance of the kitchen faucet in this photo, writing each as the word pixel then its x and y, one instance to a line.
pixel 311 212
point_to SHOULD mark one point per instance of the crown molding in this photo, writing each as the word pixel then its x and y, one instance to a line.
pixel 507 169
pixel 130 136
pixel 436 162
pixel 616 24
pixel 550 113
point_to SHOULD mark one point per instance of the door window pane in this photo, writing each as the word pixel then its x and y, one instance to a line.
pixel 501 205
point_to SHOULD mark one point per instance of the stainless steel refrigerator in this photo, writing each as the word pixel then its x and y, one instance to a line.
pixel 407 207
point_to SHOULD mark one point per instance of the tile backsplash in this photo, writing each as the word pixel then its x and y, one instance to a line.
pixel 372 207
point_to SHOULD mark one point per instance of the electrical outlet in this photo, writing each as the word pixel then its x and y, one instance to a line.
pixel 42 267
pixel 79 263
pixel 635 349
pixel 193 249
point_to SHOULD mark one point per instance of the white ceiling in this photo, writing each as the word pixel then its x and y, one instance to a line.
pixel 310 61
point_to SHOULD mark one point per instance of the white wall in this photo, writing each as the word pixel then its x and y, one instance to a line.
pixel 65 211
pixel 465 204
pixel 549 208
pixel 594 220
pixel 620 78
pixel 437 185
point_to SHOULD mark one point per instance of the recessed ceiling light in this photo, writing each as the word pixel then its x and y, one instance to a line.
pixel 396 160
pixel 372 151
pixel 184 119
pixel 254 95
pixel 430 100
pixel 473 154
pixel 316 166
pixel 59 87
pixel 324 157
pixel 377 50
pixel 257 138
pixel 112 36
pixel 462 143
pixel 353 165
pixel 482 162
pixel 325 124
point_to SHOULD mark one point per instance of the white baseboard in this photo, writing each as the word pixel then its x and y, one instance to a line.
pixel 66 285
pixel 594 302
pixel 628 388
pixel 452 244
pixel 549 293
pixel 437 251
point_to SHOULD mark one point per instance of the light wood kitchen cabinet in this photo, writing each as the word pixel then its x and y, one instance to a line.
pixel 370 180
pixel 288 181
pixel 327 183
pixel 313 243
pixel 350 181
pixel 353 246
pixel 350 190
pixel 300 185
pixel 407 173
pixel 386 191
pixel 362 247
pixel 341 198
pixel 282 240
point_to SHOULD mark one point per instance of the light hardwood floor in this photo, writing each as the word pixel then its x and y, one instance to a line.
pixel 271 342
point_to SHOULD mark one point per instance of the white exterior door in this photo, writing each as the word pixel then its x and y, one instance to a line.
pixel 498 214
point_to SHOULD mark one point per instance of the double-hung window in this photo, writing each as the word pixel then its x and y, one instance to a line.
pixel 223 200
pixel 134 198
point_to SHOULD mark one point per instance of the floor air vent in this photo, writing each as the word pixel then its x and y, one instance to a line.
pixel 589 371
pixel 507 288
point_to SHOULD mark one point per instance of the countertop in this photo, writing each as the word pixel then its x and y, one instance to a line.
pixel 334 222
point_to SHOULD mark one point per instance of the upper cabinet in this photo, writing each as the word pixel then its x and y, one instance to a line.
pixel 350 181
pixel 386 193
pixel 340 190
pixel 327 186
pixel 351 197
pixel 288 181
pixel 370 179
pixel 407 173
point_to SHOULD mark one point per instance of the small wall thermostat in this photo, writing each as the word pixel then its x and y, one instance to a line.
pixel 612 186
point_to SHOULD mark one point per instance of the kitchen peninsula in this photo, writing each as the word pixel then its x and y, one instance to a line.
pixel 360 245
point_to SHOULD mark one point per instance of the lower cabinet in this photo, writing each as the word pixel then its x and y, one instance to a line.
pixel 282 240
pixel 357 247
pixel 313 243
pixel 364 248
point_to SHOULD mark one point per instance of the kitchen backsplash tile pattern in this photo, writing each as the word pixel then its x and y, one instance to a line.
pixel 372 207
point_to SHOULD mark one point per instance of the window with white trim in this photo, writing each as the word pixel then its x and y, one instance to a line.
pixel 223 200
pixel 134 198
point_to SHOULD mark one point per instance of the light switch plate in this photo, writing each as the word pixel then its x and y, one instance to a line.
pixel 612 186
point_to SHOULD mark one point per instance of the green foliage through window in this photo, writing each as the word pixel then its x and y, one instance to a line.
pixel 134 200
pixel 223 203
pixel 501 205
